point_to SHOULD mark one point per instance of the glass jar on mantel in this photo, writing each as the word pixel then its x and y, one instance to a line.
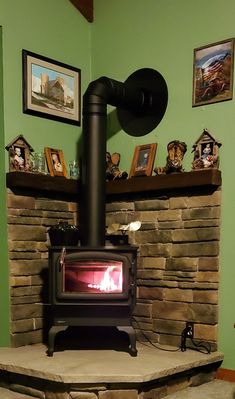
pixel 38 162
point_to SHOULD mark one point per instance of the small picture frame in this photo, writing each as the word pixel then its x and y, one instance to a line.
pixel 213 73
pixel 143 160
pixel 51 89
pixel 55 162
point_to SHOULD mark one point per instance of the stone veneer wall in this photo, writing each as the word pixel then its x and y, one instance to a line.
pixel 29 218
pixel 178 262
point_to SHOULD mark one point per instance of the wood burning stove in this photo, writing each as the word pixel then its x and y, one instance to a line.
pixel 92 287
pixel 94 284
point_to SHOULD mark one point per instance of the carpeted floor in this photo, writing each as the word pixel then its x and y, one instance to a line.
pixel 216 389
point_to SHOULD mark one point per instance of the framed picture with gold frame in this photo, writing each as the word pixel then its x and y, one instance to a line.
pixel 143 160
pixel 55 162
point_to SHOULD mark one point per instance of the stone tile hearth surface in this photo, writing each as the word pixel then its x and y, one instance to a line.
pixel 102 366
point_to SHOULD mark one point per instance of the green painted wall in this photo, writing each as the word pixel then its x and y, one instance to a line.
pixel 55 29
pixel 4 284
pixel 126 35
pixel 161 34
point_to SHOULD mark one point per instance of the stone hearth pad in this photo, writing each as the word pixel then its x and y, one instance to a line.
pixel 102 366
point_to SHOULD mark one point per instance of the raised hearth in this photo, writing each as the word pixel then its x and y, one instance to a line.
pixel 102 374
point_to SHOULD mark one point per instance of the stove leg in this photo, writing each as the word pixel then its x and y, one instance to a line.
pixel 132 336
pixel 51 338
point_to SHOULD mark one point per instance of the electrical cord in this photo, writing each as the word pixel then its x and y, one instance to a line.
pixel 202 347
pixel 153 343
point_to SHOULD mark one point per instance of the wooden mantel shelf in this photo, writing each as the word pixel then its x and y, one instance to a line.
pixel 174 181
pixel 22 182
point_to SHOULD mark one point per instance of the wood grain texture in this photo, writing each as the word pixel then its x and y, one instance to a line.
pixel 85 7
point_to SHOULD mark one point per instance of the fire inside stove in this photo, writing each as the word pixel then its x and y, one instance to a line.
pixel 93 276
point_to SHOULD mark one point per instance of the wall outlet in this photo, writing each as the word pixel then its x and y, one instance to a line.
pixel 190 329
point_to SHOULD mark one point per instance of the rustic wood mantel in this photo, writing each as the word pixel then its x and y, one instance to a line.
pixel 48 185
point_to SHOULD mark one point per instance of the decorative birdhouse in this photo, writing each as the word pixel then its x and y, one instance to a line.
pixel 19 151
pixel 206 152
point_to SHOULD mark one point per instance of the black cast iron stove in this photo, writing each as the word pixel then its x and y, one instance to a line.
pixel 94 283
pixel 92 287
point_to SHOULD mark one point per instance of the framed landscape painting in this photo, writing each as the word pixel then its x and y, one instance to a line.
pixel 213 73
pixel 51 89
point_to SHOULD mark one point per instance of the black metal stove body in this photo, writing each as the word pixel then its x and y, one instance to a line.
pixel 92 287
pixel 78 294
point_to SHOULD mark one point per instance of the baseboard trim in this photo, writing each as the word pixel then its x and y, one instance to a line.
pixel 225 374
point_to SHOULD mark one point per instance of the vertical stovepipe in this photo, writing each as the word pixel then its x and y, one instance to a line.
pixel 141 102
pixel 99 93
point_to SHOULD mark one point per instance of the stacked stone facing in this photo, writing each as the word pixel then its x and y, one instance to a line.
pixel 178 262
pixel 29 219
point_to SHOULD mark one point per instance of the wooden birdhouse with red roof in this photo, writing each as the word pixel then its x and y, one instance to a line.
pixel 206 152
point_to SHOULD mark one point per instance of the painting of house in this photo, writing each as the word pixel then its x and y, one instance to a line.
pixel 52 88
pixel 53 91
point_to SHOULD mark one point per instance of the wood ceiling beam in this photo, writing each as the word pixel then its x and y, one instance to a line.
pixel 85 7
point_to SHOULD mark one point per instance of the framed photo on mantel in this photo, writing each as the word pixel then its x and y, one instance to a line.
pixel 55 162
pixel 143 160
pixel 51 89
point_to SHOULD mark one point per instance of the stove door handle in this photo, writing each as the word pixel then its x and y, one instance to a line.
pixel 62 256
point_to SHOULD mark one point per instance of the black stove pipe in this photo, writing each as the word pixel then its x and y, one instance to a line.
pixel 98 95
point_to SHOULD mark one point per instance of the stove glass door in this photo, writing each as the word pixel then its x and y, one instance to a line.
pixel 93 277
